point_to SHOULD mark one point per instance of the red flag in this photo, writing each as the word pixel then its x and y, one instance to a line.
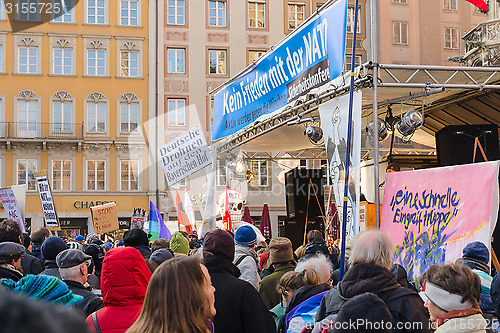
pixel 226 219
pixel 479 4
pixel 181 214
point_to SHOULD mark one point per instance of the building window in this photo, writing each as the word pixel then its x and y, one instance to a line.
pixel 254 55
pixel 63 11
pixel 296 15
pixel 217 13
pixel 96 62
pixel 28 60
pixel 256 14
pixel 2 10
pixel 348 61
pixel 96 175
pixel 176 12
pixel 26 10
pixel 129 13
pixel 221 173
pixel 61 175
pixel 350 20
pixel 451 38
pixel 1 57
pixel 27 118
pixel 129 175
pixel 450 4
pixel 400 33
pixel 129 63
pixel 259 169
pixel 176 112
pixel 403 2
pixel 96 12
pixel 63 61
pixel 129 117
pixel 63 116
pixel 176 61
pixel 26 170
pixel 96 116
pixel 217 62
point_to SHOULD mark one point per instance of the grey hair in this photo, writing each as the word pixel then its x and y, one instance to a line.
pixel 71 273
pixel 372 247
pixel 319 263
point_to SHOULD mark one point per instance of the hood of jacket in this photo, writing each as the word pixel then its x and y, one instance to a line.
pixel 240 250
pixel 313 248
pixel 304 293
pixel 221 266
pixel 124 277
pixel 362 278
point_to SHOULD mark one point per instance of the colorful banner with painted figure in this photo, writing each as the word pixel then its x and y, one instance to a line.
pixel 432 214
pixel 308 58
pixel 334 119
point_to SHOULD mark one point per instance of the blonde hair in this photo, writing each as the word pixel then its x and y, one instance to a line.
pixel 292 280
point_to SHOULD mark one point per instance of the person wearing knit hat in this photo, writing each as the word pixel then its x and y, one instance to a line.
pixel 80 239
pixel 239 306
pixel 90 237
pixel 51 247
pixel 75 245
pixel 194 243
pixel 43 287
pixel 477 256
pixel 179 244
pixel 10 260
pixel 281 257
pixel 137 239
pixel 366 313
pixel 245 257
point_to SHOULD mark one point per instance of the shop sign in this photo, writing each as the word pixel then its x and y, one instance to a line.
pixel 89 204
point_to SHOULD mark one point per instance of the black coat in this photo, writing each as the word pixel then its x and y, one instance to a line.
pixel 239 306
pixel 36 249
pixel 31 265
pixel 90 302
pixel 7 273
pixel 405 305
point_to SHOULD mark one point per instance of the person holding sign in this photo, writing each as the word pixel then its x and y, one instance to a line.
pixel 451 295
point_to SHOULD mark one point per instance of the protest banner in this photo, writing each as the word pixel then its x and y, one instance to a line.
pixel 432 214
pixel 105 218
pixel 334 121
pixel 45 194
pixel 308 58
pixel 20 194
pixel 10 205
pixel 184 155
pixel 138 219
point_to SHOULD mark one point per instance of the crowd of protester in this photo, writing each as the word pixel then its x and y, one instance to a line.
pixel 229 282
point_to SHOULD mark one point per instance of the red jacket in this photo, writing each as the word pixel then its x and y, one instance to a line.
pixel 124 280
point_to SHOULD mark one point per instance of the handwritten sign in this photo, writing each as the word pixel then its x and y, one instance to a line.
pixel 432 214
pixel 10 205
pixel 48 208
pixel 105 218
pixel 184 155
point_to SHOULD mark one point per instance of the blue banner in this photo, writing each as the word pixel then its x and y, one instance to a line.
pixel 308 58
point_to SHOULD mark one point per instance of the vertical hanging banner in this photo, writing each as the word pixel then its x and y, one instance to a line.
pixel 10 205
pixel 105 218
pixel 45 193
pixel 310 57
pixel 432 214
pixel 184 155
pixel 334 121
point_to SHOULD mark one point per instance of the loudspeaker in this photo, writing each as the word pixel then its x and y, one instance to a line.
pixel 294 228
pixel 455 144
pixel 297 187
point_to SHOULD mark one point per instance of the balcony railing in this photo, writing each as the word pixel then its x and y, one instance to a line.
pixel 43 131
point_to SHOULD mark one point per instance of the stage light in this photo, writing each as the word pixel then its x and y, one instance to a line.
pixel 410 122
pixel 314 133
pixel 383 130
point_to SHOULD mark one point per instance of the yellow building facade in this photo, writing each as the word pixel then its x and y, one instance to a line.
pixel 73 100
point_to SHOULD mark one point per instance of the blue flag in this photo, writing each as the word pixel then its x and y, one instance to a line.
pixel 157 227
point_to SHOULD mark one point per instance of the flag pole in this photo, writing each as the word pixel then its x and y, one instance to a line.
pixel 348 153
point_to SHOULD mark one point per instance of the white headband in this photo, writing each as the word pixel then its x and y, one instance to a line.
pixel 442 298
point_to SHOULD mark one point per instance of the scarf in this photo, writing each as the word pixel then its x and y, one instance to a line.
pixel 458 314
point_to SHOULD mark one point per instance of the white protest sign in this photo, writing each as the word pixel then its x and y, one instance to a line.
pixel 10 205
pixel 184 155
pixel 20 194
pixel 49 210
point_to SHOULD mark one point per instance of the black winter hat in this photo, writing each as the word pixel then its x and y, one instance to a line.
pixel 52 246
pixel 135 237
pixel 364 313
pixel 218 244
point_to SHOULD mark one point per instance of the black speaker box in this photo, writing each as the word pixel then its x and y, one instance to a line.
pixel 455 144
pixel 294 228
pixel 297 187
